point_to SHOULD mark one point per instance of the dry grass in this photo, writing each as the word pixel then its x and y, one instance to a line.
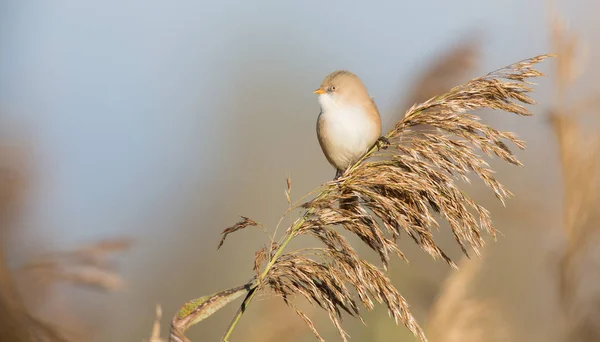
pixel 458 316
pixel 406 189
pixel 155 334
pixel 87 266
pixel 580 173
pixel 579 155
pixel 16 321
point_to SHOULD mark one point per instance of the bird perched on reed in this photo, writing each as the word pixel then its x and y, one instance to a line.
pixel 349 123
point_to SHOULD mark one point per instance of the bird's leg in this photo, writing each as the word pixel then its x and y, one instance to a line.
pixel 382 143
pixel 338 174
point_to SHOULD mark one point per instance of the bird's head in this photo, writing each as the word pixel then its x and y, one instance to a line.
pixel 340 89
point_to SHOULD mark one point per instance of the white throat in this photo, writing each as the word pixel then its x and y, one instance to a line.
pixel 327 102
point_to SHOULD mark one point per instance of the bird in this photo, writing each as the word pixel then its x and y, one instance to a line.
pixel 349 123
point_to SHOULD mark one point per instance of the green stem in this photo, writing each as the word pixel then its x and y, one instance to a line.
pixel 252 293
pixel 239 313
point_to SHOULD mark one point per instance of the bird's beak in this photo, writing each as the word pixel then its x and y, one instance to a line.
pixel 319 91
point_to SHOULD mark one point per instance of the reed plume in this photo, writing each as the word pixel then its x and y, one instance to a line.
pixel 405 189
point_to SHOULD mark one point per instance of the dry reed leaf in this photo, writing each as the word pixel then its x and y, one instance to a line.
pixel 199 309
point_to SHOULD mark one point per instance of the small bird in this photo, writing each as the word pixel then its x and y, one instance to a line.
pixel 349 123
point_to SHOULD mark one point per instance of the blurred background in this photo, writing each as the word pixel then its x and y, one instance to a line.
pixel 133 132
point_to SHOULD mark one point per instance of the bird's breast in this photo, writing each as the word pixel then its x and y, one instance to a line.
pixel 345 134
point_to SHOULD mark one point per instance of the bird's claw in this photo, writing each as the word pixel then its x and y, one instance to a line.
pixel 338 174
pixel 382 143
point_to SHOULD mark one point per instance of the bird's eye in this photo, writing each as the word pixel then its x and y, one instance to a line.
pixel 332 88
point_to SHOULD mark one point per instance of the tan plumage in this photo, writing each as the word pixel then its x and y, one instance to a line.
pixel 349 123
